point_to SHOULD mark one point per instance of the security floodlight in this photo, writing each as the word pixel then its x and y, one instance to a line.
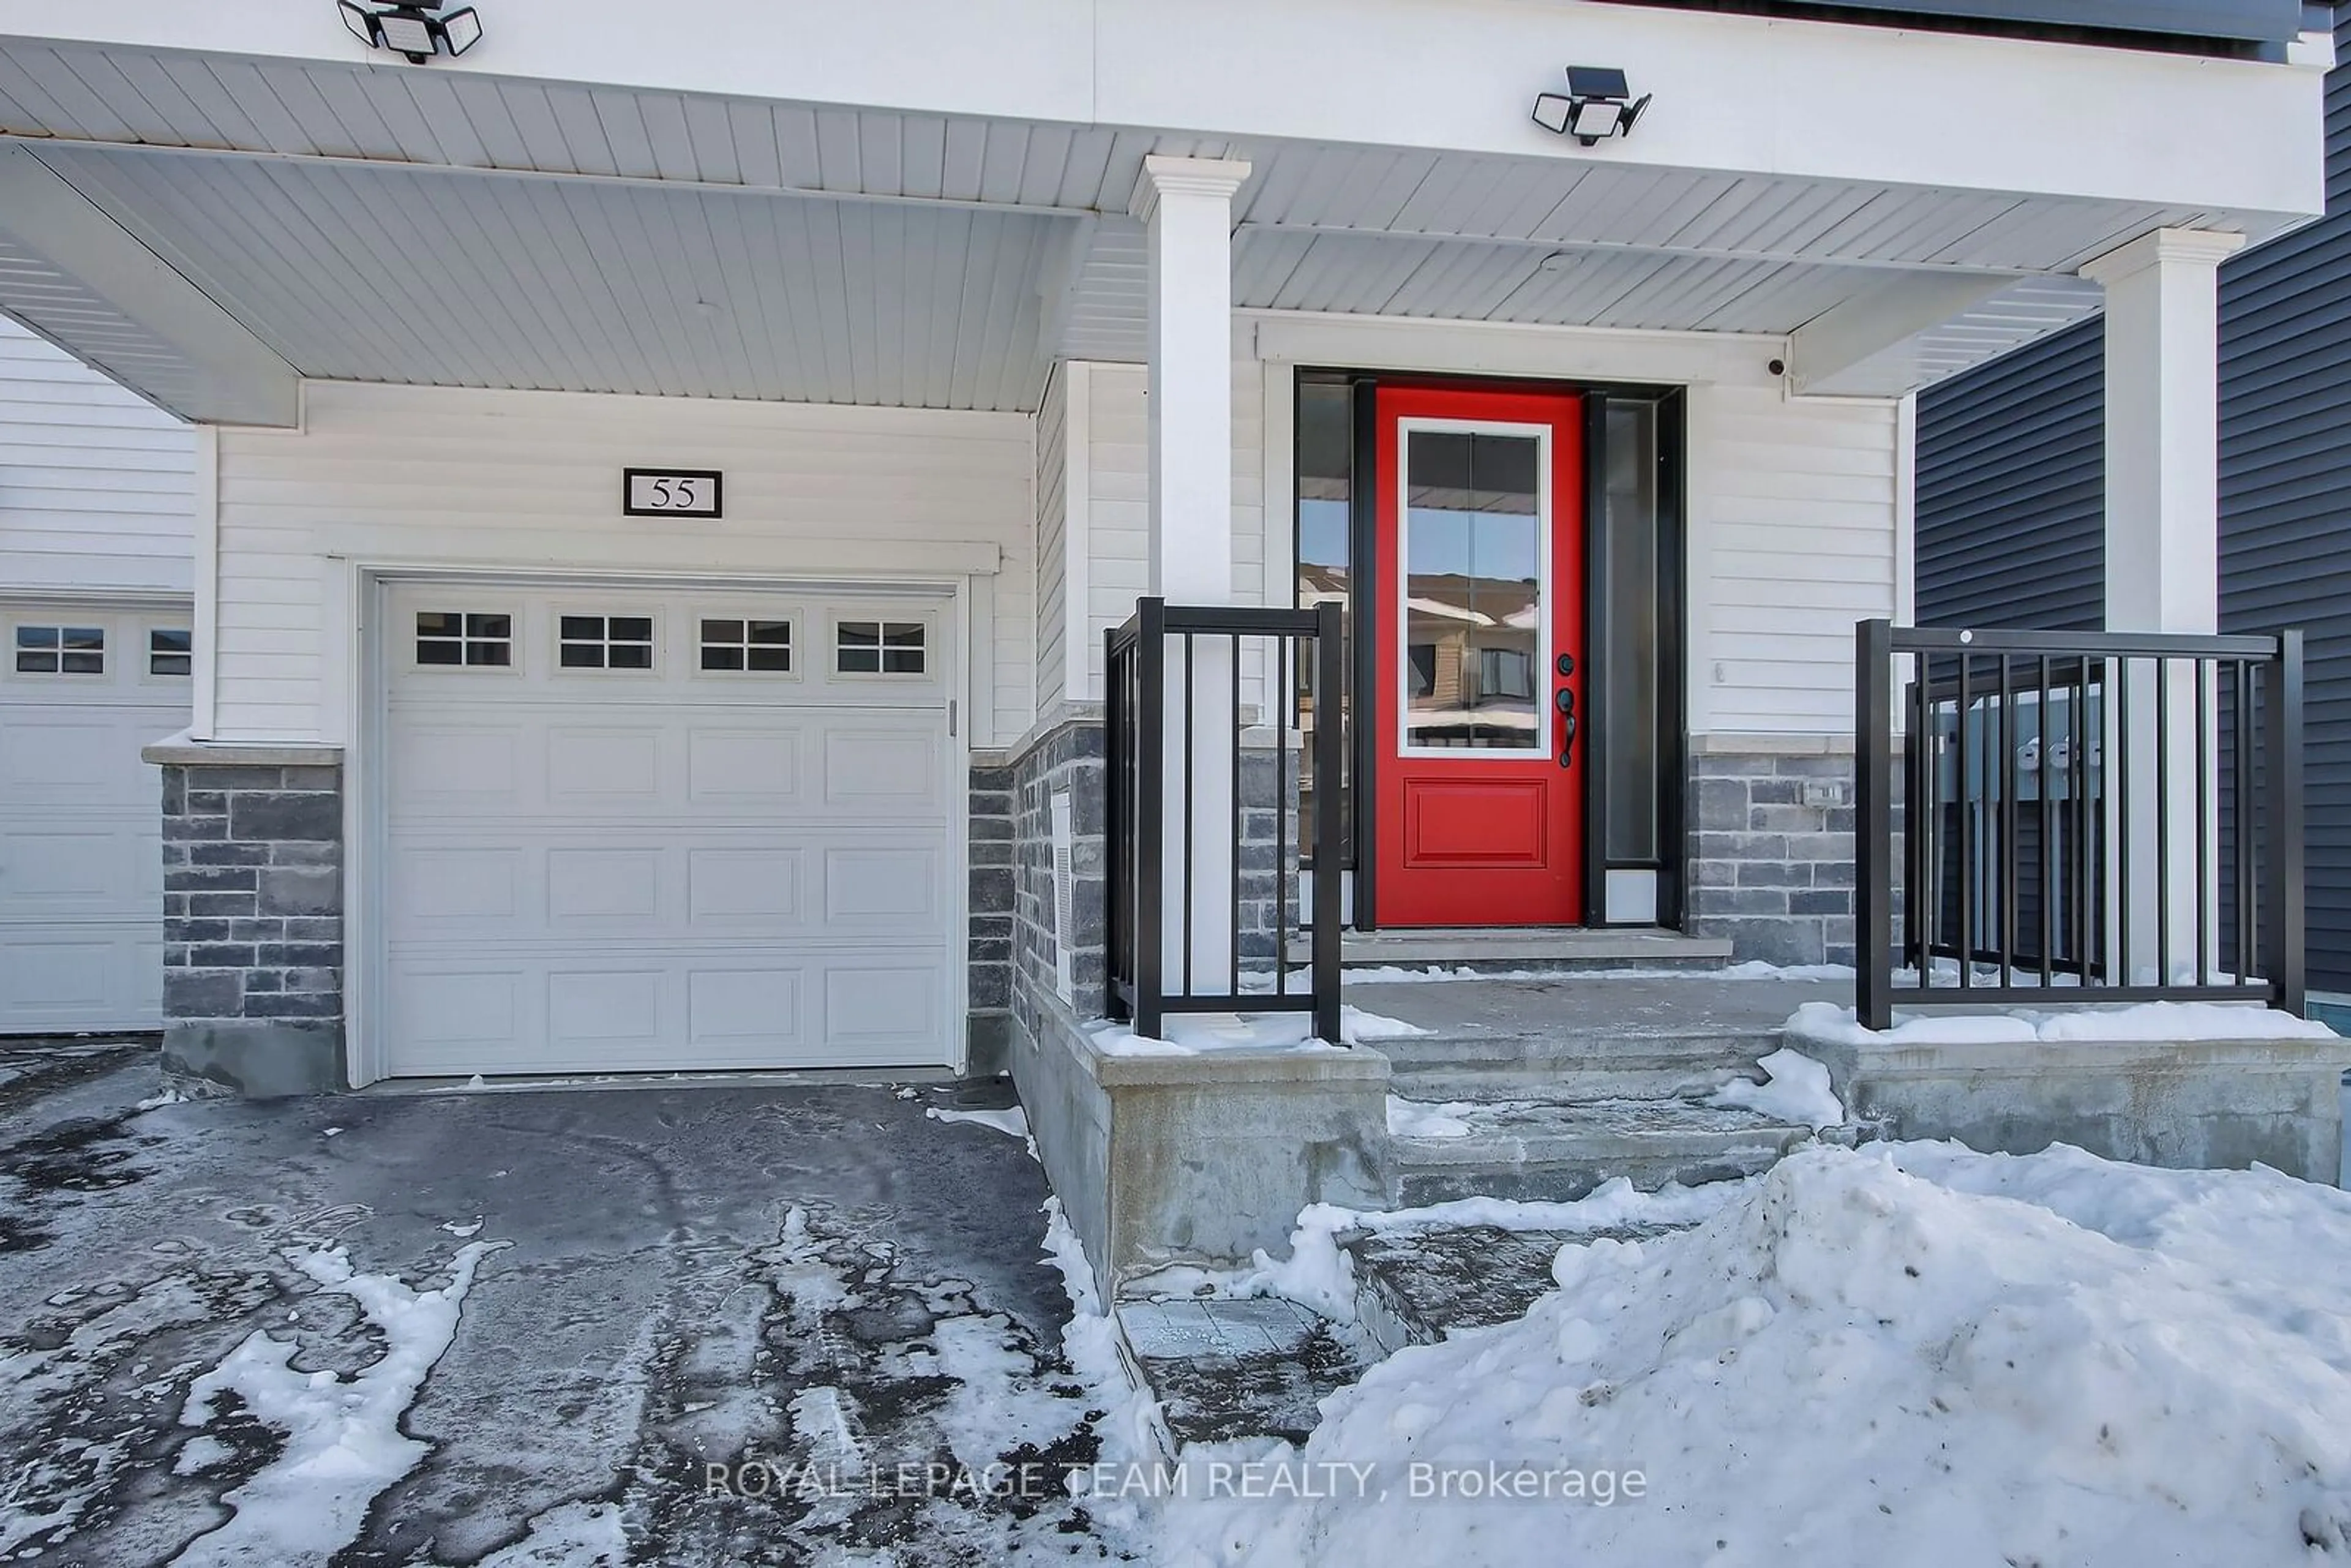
pixel 1598 104
pixel 462 27
pixel 416 30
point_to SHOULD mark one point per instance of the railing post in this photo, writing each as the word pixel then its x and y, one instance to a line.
pixel 1117 928
pixel 1873 730
pixel 1150 810
pixel 1330 754
pixel 2286 846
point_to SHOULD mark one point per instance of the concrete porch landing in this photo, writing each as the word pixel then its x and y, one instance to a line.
pixel 1584 1036
pixel 1595 1007
pixel 1533 947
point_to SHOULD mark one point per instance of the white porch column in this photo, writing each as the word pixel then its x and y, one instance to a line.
pixel 1186 205
pixel 2163 552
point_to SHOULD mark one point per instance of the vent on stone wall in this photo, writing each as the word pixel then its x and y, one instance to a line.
pixel 1064 971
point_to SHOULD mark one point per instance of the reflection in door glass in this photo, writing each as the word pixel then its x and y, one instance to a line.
pixel 1472 640
pixel 1326 458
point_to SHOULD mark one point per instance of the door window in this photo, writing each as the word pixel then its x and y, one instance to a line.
pixel 605 642
pixel 170 651
pixel 60 649
pixel 464 637
pixel 1475 526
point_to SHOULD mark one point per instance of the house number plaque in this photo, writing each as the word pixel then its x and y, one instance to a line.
pixel 671 493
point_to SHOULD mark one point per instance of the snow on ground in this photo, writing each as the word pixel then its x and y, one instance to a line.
pixel 1798 1094
pixel 227 1339
pixel 1909 1353
pixel 1012 1120
pixel 1317 1273
pixel 344 1437
pixel 1428 1119
pixel 1197 1034
pixel 2146 1022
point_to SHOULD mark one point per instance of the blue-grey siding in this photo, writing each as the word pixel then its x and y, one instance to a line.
pixel 2012 489
pixel 2011 467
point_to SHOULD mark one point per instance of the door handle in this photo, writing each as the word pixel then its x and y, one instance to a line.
pixel 1565 700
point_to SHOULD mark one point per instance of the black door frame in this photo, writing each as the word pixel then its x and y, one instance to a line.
pixel 1363 599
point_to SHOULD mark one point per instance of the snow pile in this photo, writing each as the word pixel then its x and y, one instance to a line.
pixel 1130 1427
pixel 1425 1119
pixel 1911 1354
pixel 344 1437
pixel 2156 1022
pixel 1199 1034
pixel 1799 1091
pixel 1317 1274
pixel 1012 1120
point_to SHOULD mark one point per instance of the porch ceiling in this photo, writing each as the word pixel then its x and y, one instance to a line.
pixel 376 273
pixel 383 222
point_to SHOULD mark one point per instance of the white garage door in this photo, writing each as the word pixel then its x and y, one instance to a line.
pixel 635 831
pixel 81 876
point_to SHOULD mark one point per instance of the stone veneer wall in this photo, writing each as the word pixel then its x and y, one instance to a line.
pixel 990 877
pixel 1068 757
pixel 1771 854
pixel 1269 782
pixel 253 929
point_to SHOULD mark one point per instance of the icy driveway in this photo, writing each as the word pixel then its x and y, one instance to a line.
pixel 662 1280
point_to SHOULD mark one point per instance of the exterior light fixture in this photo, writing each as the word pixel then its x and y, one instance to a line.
pixel 418 31
pixel 1596 105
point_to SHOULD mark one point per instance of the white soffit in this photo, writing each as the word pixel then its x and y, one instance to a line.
pixel 380 221
pixel 469 120
pixel 58 306
pixel 2016 315
pixel 367 273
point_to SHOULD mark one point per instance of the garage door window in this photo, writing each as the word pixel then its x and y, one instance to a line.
pixel 752 646
pixel 605 642
pixel 879 648
pixel 452 637
pixel 60 650
pixel 169 651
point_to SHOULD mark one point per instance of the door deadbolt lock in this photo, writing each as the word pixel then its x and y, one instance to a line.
pixel 1566 700
pixel 1566 666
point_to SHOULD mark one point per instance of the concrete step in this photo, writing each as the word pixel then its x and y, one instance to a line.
pixel 1545 948
pixel 1583 1037
pixel 1570 1067
pixel 1416 1287
pixel 1225 1370
pixel 1560 1151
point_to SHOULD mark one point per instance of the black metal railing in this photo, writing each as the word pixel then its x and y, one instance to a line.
pixel 1194 664
pixel 2117 813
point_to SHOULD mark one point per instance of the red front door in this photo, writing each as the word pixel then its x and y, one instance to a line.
pixel 1480 768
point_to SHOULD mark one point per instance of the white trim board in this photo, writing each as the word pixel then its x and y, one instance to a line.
pixel 1508 349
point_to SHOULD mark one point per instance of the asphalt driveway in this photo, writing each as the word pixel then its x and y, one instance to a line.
pixel 649 1324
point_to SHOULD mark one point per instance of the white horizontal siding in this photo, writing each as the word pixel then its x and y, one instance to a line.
pixel 1119 473
pixel 531 481
pixel 1792 534
pixel 1792 541
pixel 1118 506
pixel 1052 578
pixel 96 486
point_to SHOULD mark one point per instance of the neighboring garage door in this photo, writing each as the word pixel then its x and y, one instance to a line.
pixel 81 876
pixel 637 830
